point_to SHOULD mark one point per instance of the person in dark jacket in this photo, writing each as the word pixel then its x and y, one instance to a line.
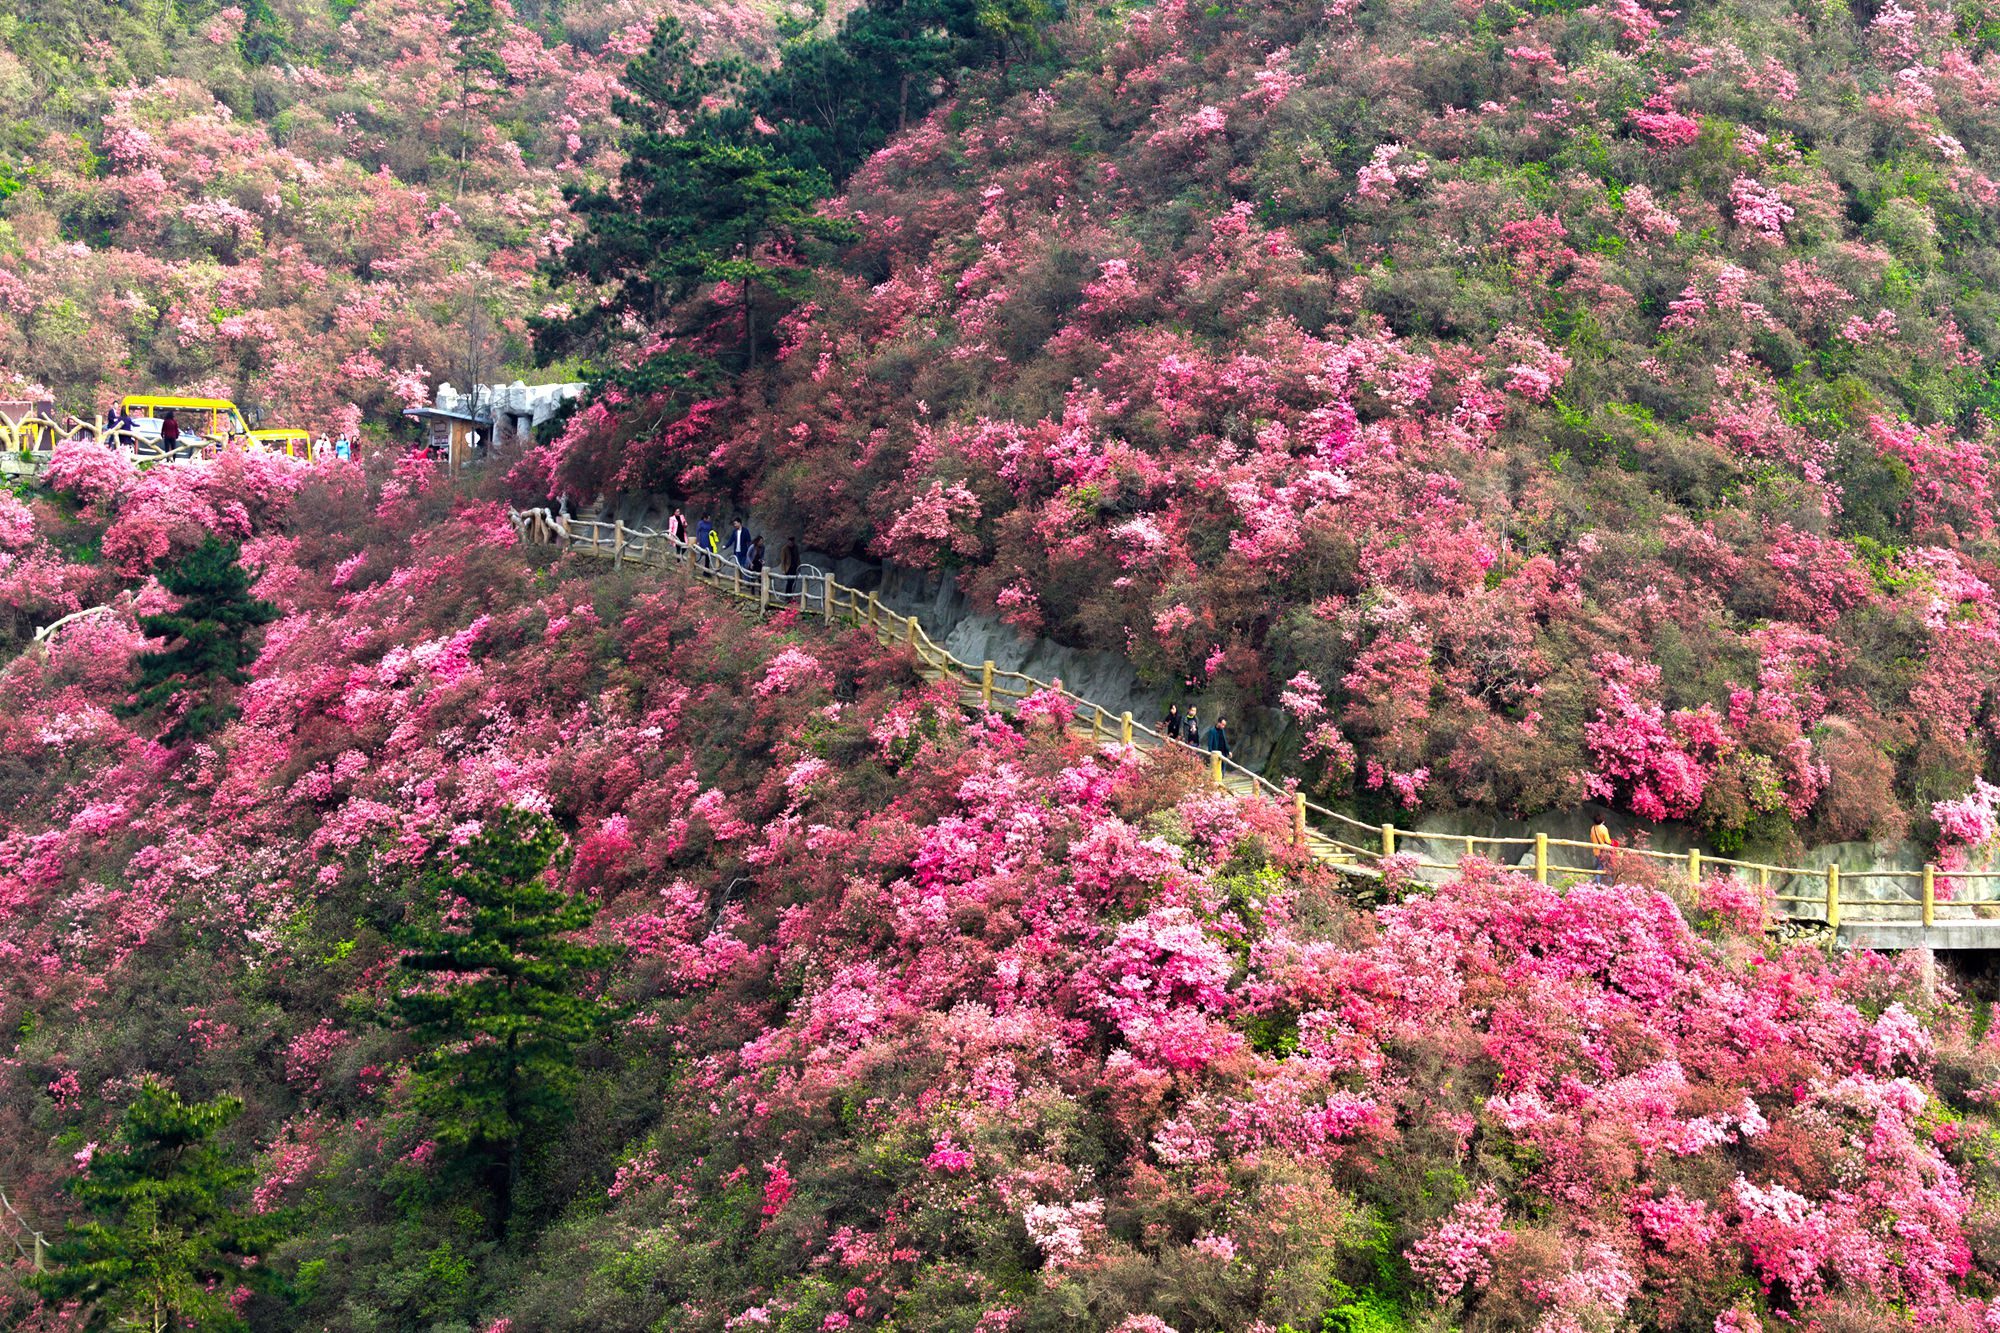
pixel 739 544
pixel 788 568
pixel 1217 737
pixel 1191 733
pixel 1170 725
pixel 704 540
pixel 170 428
pixel 756 564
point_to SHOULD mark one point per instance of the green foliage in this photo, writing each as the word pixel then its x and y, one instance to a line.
pixel 835 100
pixel 212 626
pixel 1364 1312
pixel 163 1247
pixel 474 25
pixel 695 204
pixel 1275 1033
pixel 731 195
pixel 265 39
pixel 495 995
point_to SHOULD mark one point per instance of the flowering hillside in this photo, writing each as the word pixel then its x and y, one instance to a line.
pixel 318 212
pixel 1549 402
pixel 922 1020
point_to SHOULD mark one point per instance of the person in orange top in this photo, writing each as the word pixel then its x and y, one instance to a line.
pixel 1601 843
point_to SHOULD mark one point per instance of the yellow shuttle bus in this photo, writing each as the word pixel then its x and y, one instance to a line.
pixel 216 420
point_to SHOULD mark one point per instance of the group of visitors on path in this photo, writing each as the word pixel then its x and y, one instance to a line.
pixel 738 547
pixel 1187 729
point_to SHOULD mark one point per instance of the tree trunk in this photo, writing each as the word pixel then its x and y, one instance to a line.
pixel 513 1177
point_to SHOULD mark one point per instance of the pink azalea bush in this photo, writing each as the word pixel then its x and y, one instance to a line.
pixel 1520 373
pixel 298 234
pixel 928 1015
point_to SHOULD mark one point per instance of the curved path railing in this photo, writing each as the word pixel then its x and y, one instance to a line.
pixel 1923 897
pixel 29 1243
pixel 26 445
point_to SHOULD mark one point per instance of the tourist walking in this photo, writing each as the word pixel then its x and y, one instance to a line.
pixel 1170 725
pixel 788 566
pixel 739 549
pixel 1601 845
pixel 170 429
pixel 1191 734
pixel 677 528
pixel 342 449
pixel 704 539
pixel 1217 738
pixel 756 565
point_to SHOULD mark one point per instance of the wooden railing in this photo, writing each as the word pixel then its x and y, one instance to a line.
pixel 30 442
pixel 29 1243
pixel 1922 896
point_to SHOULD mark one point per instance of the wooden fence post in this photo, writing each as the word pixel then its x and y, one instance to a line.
pixel 874 608
pixel 1097 722
pixel 618 544
pixel 1215 766
pixel 763 591
pixel 1694 865
pixel 1298 814
pixel 1541 858
pixel 826 587
pixel 1388 840
pixel 986 684
pixel 1833 898
pixel 910 633
pixel 1124 728
pixel 1930 894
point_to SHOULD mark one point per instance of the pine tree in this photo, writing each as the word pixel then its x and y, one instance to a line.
pixel 213 625
pixel 496 1004
pixel 475 30
pixel 266 39
pixel 164 1249
pixel 836 100
pixel 696 203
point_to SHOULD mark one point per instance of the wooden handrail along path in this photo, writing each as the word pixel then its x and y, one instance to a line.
pixel 1940 908
pixel 1904 908
pixel 1929 906
pixel 29 1243
pixel 27 445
